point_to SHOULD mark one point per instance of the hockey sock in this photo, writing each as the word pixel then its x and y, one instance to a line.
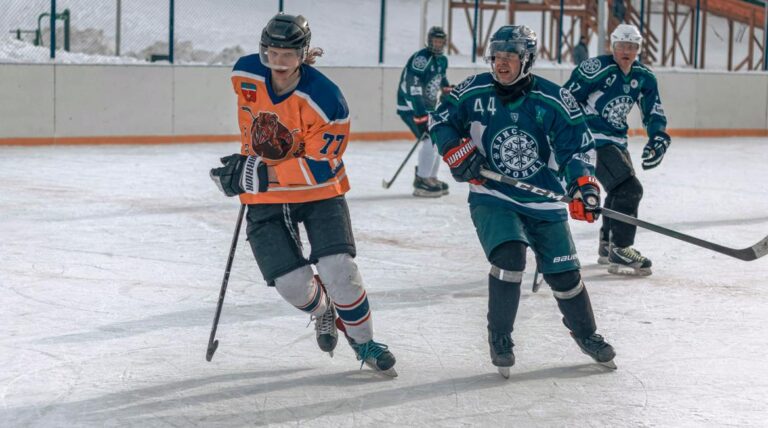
pixel 503 300
pixel 573 301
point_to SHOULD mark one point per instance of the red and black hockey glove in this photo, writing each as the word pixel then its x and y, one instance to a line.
pixel 421 123
pixel 655 149
pixel 586 199
pixel 465 162
pixel 241 174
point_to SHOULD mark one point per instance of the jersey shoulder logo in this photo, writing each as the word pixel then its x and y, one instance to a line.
pixel 270 138
pixel 465 84
pixel 590 66
pixel 570 102
pixel 420 62
pixel 249 91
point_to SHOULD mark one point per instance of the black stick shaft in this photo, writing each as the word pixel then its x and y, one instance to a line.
pixel 387 184
pixel 213 344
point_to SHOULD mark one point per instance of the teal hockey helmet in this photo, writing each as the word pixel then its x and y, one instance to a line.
pixel 436 33
pixel 518 39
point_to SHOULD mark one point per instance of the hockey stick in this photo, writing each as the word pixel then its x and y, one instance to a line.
pixel 747 254
pixel 214 344
pixel 536 282
pixel 386 184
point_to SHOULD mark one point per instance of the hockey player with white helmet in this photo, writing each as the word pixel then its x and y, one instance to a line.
pixel 607 87
pixel 518 124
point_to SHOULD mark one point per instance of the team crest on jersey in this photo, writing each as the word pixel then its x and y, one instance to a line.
pixel 633 83
pixel 514 117
pixel 249 91
pixel 420 62
pixel 626 88
pixel 271 139
pixel 515 153
pixel 590 66
pixel 616 111
pixel 433 88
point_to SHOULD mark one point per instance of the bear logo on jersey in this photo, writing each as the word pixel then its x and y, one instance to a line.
pixel 270 139
pixel 515 153
pixel 616 111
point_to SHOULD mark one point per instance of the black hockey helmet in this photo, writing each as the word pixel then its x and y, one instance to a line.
pixel 436 33
pixel 286 32
pixel 519 39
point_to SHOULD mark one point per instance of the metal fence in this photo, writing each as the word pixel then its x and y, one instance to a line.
pixel 206 31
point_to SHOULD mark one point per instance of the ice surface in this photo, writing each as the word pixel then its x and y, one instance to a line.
pixel 111 259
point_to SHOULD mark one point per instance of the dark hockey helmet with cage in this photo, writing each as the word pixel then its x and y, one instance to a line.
pixel 286 32
pixel 519 39
pixel 436 33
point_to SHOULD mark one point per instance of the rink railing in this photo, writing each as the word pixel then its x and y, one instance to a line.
pixel 91 104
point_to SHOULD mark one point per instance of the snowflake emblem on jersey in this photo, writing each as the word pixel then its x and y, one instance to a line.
pixel 515 153
pixel 420 62
pixel 433 89
pixel 616 111
pixel 590 66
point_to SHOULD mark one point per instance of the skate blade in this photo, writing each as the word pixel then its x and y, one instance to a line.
pixel 390 372
pixel 421 193
pixel 603 260
pixel 609 364
pixel 628 270
pixel 504 372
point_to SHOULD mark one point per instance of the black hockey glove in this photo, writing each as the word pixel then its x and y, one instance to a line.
pixel 241 174
pixel 465 162
pixel 654 150
pixel 586 199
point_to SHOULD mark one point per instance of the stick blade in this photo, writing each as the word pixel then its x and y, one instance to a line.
pixel 760 249
pixel 385 184
pixel 211 349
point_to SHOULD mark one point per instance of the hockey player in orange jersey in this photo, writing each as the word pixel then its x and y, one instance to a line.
pixel 294 126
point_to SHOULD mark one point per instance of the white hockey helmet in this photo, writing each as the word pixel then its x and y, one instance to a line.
pixel 627 33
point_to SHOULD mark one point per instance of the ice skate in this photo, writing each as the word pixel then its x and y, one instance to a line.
pixel 375 355
pixel 325 330
pixel 597 348
pixel 602 253
pixel 426 187
pixel 501 351
pixel 628 261
pixel 442 184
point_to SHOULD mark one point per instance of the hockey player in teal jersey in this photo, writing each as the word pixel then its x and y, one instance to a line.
pixel 421 84
pixel 607 87
pixel 523 126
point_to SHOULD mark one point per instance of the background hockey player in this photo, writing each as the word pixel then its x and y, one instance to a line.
pixel 421 84
pixel 608 86
pixel 528 128
pixel 294 124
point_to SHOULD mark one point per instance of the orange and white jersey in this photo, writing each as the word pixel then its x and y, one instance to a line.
pixel 313 119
